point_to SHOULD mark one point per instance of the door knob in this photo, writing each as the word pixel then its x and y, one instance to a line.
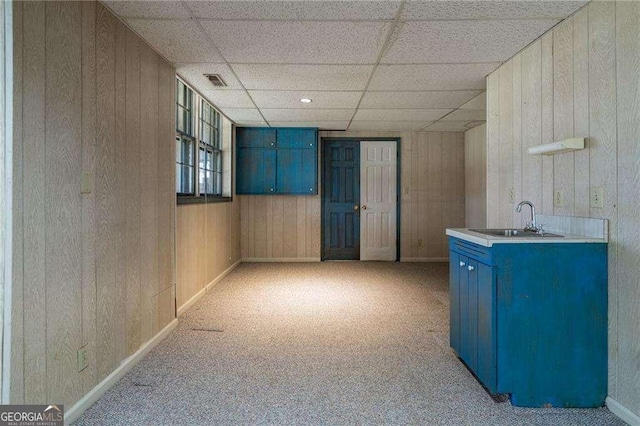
pixel 462 263
pixel 364 207
pixel 355 207
pixel 471 268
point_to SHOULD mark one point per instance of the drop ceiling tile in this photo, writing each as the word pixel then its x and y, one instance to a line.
pixel 425 10
pixel 322 125
pixel 478 102
pixel 406 126
pixel 149 9
pixel 279 42
pixel 431 77
pixel 463 41
pixel 242 114
pixel 295 10
pixel 228 98
pixel 303 77
pixel 416 100
pixel 466 115
pixel 194 73
pixel 447 126
pixel 307 114
pixel 291 99
pixel 422 115
pixel 178 41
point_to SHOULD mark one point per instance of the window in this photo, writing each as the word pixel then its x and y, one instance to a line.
pixel 210 155
pixel 185 140
pixel 203 146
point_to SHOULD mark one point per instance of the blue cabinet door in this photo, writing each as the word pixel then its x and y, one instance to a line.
pixel 256 137
pixel 297 171
pixel 465 331
pixel 486 366
pixel 297 138
pixel 454 301
pixel 256 171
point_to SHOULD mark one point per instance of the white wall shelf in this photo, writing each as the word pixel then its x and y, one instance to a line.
pixel 566 145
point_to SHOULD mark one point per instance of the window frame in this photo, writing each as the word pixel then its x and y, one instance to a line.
pixel 196 122
pixel 212 147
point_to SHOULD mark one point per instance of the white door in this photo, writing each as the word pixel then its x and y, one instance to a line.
pixel 378 166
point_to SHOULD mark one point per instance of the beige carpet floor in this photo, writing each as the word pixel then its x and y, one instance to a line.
pixel 332 343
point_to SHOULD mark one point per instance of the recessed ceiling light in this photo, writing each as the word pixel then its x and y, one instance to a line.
pixel 306 100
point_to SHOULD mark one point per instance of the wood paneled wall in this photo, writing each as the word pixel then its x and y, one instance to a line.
pixel 93 269
pixel 579 80
pixel 475 176
pixel 432 199
pixel 3 187
pixel 208 245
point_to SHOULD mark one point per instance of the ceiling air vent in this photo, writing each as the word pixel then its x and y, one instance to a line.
pixel 216 80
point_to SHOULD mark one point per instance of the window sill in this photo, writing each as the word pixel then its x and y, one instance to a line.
pixel 190 199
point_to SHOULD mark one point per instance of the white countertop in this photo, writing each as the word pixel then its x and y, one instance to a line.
pixel 489 240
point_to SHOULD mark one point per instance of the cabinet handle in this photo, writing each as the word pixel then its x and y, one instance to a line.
pixel 462 263
pixel 271 143
pixel 310 189
pixel 271 190
pixel 471 268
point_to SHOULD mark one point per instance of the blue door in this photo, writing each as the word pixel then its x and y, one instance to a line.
pixel 341 200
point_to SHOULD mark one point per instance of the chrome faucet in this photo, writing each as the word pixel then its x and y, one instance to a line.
pixel 533 225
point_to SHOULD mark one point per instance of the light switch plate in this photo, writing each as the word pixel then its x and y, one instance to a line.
pixel 558 198
pixel 87 184
pixel 512 195
pixel 83 360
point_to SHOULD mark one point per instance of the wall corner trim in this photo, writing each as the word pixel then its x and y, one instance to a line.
pixel 101 388
pixel 186 305
pixel 622 412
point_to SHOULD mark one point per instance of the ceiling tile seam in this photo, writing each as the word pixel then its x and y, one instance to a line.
pixel 383 49
pixel 528 18
pixel 195 17
pixel 184 3
pixel 302 21
pixel 361 64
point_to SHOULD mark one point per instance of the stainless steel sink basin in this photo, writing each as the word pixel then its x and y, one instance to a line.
pixel 516 233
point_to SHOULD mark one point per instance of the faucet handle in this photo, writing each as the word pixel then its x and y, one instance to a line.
pixel 540 228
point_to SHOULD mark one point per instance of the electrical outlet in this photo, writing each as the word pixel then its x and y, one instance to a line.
pixel 596 198
pixel 420 242
pixel 405 190
pixel 558 198
pixel 87 183
pixel 512 195
pixel 83 360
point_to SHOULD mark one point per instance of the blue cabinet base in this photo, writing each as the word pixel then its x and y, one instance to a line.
pixel 534 323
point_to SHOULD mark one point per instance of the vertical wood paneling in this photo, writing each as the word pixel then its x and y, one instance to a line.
pixel 505 151
pixel 518 220
pixel 107 338
pixel 89 375
pixel 531 124
pixel 423 216
pixel 625 388
pixel 475 175
pixel 563 169
pixel 493 146
pixel 290 234
pixel 132 193
pixel 63 220
pixel 81 248
pixel 581 109
pixel 148 188
pixel 434 193
pixel 546 101
pixel 17 390
pixel 33 204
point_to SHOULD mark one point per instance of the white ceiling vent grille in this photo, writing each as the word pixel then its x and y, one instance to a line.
pixel 216 80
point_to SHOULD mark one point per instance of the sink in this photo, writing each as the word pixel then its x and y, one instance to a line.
pixel 517 233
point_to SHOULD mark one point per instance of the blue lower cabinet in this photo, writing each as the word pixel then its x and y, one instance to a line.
pixel 530 320
pixel 277 161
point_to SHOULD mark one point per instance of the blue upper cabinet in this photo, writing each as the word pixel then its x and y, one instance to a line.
pixel 277 161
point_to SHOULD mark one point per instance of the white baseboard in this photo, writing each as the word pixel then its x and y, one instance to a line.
pixel 424 259
pixel 186 305
pixel 280 259
pixel 94 394
pixel 623 412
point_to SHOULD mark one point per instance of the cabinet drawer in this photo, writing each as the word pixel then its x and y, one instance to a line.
pixel 467 248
